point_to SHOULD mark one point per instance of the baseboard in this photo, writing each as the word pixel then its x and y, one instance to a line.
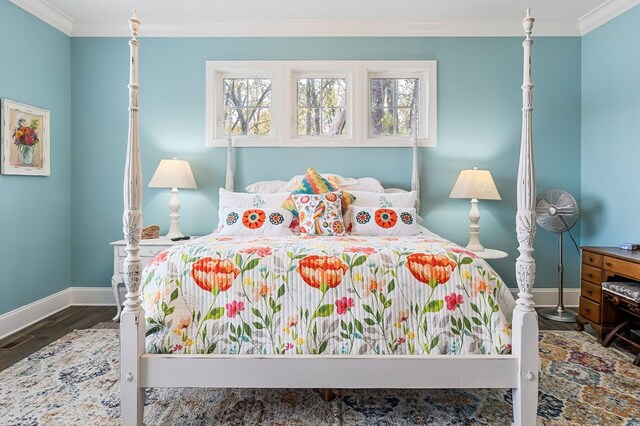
pixel 16 320
pixel 24 316
pixel 94 296
pixel 545 297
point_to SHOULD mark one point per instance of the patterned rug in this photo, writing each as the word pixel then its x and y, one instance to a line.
pixel 74 381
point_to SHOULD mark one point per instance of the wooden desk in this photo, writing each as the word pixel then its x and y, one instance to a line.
pixel 601 264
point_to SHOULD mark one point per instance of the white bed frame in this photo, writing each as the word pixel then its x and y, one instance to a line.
pixel 518 371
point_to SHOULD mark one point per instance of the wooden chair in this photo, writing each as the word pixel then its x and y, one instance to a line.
pixel 625 296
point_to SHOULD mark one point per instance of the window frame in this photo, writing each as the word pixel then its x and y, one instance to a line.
pixel 217 71
pixel 284 76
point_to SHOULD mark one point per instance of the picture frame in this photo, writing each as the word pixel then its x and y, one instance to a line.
pixel 25 135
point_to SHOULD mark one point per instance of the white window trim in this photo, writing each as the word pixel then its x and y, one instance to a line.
pixel 284 76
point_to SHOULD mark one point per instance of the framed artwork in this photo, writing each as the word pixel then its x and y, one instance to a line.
pixel 25 139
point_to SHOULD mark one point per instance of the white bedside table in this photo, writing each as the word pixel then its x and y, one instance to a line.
pixel 491 254
pixel 148 250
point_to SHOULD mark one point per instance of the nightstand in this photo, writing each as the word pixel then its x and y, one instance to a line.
pixel 491 254
pixel 148 250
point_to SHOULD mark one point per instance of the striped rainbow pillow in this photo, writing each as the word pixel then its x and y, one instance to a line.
pixel 314 183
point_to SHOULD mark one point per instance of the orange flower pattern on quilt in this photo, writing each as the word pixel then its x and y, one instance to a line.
pixel 429 268
pixel 322 272
pixel 214 275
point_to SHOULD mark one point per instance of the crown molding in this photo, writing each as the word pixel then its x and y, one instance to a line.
pixel 47 13
pixel 318 28
pixel 51 15
pixel 604 13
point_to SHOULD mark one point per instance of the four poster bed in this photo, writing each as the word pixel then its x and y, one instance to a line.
pixel 386 312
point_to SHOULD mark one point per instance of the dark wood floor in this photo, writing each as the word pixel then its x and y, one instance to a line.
pixel 33 338
pixel 36 336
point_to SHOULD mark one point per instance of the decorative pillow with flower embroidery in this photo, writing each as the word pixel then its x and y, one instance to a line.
pixel 314 183
pixel 383 221
pixel 254 222
pixel 386 200
pixel 320 214
pixel 243 200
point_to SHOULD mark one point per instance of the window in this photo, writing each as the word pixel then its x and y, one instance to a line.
pixel 321 103
pixel 394 105
pixel 247 106
pixel 321 106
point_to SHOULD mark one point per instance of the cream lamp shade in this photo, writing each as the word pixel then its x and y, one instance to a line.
pixel 476 185
pixel 173 174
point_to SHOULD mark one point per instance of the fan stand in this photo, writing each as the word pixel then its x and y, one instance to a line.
pixel 559 313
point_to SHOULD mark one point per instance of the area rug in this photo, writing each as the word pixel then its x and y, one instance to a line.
pixel 74 381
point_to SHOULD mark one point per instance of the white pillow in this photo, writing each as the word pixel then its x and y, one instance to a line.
pixel 271 222
pixel 377 199
pixel 267 187
pixel 247 200
pixel 394 190
pixel 383 221
pixel 364 184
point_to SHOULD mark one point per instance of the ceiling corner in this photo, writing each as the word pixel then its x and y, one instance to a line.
pixel 47 13
pixel 604 13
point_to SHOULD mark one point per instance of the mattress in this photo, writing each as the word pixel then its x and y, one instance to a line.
pixel 324 295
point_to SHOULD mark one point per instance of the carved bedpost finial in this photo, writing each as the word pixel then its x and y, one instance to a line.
pixel 527 23
pixel 134 24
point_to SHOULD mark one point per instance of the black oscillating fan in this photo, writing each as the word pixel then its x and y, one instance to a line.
pixel 557 211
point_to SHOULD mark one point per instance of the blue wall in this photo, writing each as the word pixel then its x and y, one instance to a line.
pixel 478 125
pixel 610 131
pixel 35 258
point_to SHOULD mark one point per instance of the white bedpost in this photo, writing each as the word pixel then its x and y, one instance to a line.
pixel 415 177
pixel 525 319
pixel 228 185
pixel 132 322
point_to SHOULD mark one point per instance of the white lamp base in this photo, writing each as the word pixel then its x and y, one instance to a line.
pixel 474 228
pixel 174 207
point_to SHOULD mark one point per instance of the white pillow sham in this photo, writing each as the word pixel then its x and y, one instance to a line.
pixel 271 222
pixel 364 184
pixel 248 200
pixel 383 221
pixel 268 187
pixel 377 199
pixel 385 200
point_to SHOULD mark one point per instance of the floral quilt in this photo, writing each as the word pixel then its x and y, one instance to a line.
pixel 324 295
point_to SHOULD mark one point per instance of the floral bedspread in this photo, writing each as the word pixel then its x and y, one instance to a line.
pixel 324 295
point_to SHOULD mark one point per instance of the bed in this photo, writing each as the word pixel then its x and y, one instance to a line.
pixel 327 312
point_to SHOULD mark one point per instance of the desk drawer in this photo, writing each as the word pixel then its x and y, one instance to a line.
pixel 622 267
pixel 592 259
pixel 591 291
pixel 144 261
pixel 589 273
pixel 590 310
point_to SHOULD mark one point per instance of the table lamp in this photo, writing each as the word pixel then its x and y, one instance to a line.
pixel 173 174
pixel 476 185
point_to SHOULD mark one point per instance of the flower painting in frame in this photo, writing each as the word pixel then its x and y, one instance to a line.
pixel 25 140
